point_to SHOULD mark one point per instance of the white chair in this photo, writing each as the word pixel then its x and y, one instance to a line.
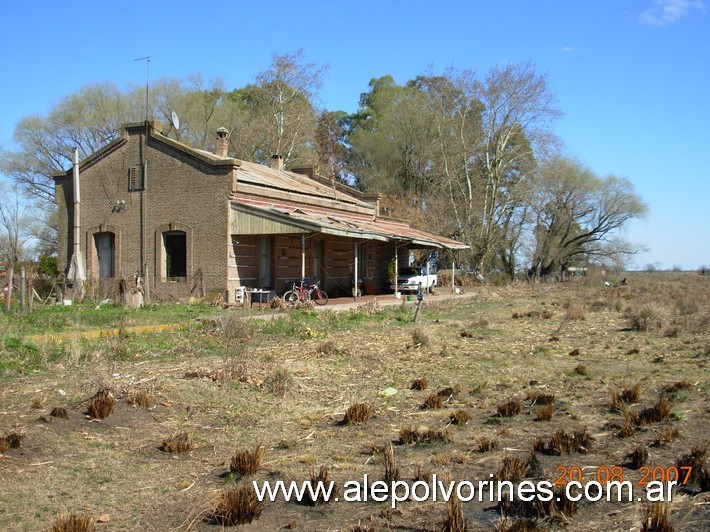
pixel 240 294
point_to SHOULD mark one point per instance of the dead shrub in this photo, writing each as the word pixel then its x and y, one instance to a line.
pixel 649 317
pixel 357 414
pixel 73 523
pixel 36 403
pixel 420 338
pixel 246 463
pixel 237 506
pixel 102 404
pixel 460 417
pixel 139 399
pixel 510 408
pixel 432 402
pixel 321 483
pixel 391 469
pixel 544 413
pixel 419 384
pixel 638 457
pixel 485 444
pixel 59 412
pixel 656 518
pixel 665 436
pixel 178 443
pixel 278 383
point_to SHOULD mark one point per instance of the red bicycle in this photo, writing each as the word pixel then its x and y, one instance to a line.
pixel 305 291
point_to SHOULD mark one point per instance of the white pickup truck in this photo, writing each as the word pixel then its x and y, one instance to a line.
pixel 413 279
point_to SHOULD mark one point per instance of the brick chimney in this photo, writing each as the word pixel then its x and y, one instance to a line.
pixel 277 162
pixel 222 142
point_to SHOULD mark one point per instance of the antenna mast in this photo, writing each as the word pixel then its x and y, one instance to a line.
pixel 147 79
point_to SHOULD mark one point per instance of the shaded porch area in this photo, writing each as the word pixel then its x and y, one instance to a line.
pixel 273 246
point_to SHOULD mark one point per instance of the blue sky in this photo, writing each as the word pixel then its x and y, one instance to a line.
pixel 632 77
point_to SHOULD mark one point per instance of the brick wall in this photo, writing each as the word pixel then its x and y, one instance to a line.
pixel 182 193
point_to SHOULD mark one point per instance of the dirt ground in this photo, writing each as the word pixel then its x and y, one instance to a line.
pixel 286 383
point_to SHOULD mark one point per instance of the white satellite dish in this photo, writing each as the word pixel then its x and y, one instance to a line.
pixel 175 120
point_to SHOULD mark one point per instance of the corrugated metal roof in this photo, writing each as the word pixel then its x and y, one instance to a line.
pixel 352 226
pixel 265 176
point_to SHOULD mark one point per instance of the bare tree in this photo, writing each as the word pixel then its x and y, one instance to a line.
pixel 518 111
pixel 284 96
pixel 14 234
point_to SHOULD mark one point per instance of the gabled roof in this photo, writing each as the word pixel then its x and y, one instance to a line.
pixel 293 198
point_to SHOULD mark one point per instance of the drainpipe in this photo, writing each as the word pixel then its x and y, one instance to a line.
pixel 355 270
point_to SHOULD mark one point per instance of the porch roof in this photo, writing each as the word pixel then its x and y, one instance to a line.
pixel 307 219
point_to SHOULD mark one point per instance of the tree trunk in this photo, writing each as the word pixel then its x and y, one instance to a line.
pixel 8 294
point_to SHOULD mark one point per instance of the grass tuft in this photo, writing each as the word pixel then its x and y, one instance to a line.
pixel 73 523
pixel 357 414
pixel 460 417
pixel 102 404
pixel 695 459
pixel 656 518
pixel 247 463
pixel 139 398
pixel 391 469
pixel 59 412
pixel 432 402
pixel 278 383
pixel 510 408
pixel 656 413
pixel 320 482
pixel 11 441
pixel 485 444
pixel 410 435
pixel 419 384
pixel 178 443
pixel 544 413
pixel 237 506
pixel 540 398
pixel 455 520
pixel 638 457
pixel 561 442
pixel 665 436
pixel 420 338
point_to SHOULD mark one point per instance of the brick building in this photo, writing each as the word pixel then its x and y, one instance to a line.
pixel 188 220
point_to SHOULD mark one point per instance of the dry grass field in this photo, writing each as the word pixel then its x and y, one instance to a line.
pixel 160 431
